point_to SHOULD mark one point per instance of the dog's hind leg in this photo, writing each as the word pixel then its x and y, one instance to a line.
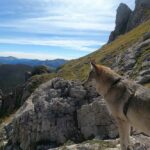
pixel 124 132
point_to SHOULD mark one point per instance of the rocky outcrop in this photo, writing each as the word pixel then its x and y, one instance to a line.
pixel 59 111
pixel 94 121
pixel 140 14
pixel 122 17
pixel 135 61
pixel 96 144
pixel 126 19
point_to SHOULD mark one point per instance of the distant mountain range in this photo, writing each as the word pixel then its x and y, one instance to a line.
pixel 32 62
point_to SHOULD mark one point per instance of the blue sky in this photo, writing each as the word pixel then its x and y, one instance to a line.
pixel 49 29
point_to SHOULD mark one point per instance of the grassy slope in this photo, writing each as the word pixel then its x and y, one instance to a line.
pixel 79 68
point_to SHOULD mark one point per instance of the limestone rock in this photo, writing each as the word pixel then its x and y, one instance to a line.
pixel 140 14
pixel 127 19
pixel 122 17
pixel 108 144
pixel 49 115
pixel 94 120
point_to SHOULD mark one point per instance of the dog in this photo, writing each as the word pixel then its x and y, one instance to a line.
pixel 128 102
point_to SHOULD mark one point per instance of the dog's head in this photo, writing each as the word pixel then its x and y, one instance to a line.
pixel 94 72
pixel 102 76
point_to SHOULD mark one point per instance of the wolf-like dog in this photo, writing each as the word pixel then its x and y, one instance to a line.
pixel 128 102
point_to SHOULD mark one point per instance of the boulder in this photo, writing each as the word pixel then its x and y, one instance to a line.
pixel 95 121
pixel 49 115
pixel 58 111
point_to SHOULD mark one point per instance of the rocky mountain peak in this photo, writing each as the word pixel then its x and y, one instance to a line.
pixel 123 13
pixel 122 17
pixel 126 19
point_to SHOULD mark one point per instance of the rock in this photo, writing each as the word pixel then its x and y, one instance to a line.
pixel 96 144
pixel 146 65
pixel 94 120
pixel 140 14
pixel 122 17
pixel 134 61
pixel 49 115
pixel 126 19
pixel 143 79
pixel 146 36
pixel 58 111
pixel 144 72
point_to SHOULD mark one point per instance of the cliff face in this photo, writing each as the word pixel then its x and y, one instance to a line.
pixel 122 17
pixel 140 14
pixel 126 19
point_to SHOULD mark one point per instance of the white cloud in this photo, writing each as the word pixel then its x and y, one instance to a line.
pixel 40 56
pixel 67 14
pixel 79 45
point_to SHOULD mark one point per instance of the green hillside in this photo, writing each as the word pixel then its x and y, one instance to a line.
pixel 78 69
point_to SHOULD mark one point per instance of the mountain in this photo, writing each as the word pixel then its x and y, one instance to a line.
pixel 126 19
pixel 33 62
pixel 13 71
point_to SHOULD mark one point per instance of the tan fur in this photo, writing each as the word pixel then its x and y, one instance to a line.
pixel 116 96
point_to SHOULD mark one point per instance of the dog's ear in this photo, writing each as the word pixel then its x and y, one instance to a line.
pixel 93 65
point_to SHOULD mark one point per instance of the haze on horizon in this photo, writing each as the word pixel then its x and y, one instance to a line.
pixel 50 29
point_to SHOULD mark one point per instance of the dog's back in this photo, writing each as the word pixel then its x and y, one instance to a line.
pixel 139 108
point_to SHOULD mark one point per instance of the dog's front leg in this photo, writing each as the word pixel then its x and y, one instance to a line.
pixel 124 132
